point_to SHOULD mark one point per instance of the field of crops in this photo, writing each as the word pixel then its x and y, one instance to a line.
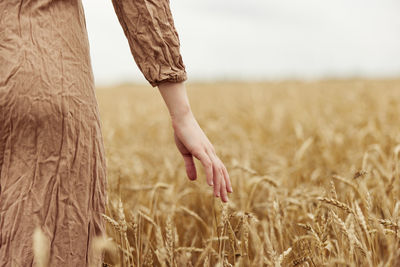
pixel 314 168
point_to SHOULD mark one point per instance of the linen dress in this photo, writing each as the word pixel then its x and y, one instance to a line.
pixel 52 159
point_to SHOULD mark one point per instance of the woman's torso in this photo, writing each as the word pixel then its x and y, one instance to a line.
pixel 44 52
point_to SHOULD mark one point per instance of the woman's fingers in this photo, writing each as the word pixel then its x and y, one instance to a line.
pixel 224 194
pixel 190 167
pixel 207 164
pixel 216 173
pixel 224 173
pixel 217 181
pixel 227 180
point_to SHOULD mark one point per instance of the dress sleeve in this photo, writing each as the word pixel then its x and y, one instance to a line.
pixel 153 39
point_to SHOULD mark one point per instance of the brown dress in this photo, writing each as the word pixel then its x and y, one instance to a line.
pixel 52 161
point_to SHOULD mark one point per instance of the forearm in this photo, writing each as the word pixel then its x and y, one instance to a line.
pixel 176 99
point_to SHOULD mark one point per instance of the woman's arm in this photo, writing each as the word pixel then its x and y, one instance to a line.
pixel 148 25
pixel 191 140
pixel 154 43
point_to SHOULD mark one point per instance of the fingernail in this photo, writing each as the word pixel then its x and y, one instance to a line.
pixel 211 184
pixel 230 188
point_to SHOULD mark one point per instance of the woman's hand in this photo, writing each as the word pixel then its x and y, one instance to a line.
pixel 192 142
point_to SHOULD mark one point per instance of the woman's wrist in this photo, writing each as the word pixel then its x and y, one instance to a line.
pixel 175 97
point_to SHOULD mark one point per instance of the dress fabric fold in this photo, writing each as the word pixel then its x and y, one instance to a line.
pixel 52 157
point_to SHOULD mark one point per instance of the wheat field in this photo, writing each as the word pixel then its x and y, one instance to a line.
pixel 314 168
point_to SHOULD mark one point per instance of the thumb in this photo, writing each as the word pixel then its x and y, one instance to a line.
pixel 190 167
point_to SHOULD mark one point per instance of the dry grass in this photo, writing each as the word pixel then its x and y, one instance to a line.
pixel 314 166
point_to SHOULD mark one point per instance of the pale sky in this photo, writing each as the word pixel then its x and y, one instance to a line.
pixel 261 39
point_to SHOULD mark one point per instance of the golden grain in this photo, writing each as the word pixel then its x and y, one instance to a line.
pixel 281 143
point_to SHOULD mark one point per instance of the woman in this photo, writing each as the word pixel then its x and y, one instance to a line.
pixel 52 161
